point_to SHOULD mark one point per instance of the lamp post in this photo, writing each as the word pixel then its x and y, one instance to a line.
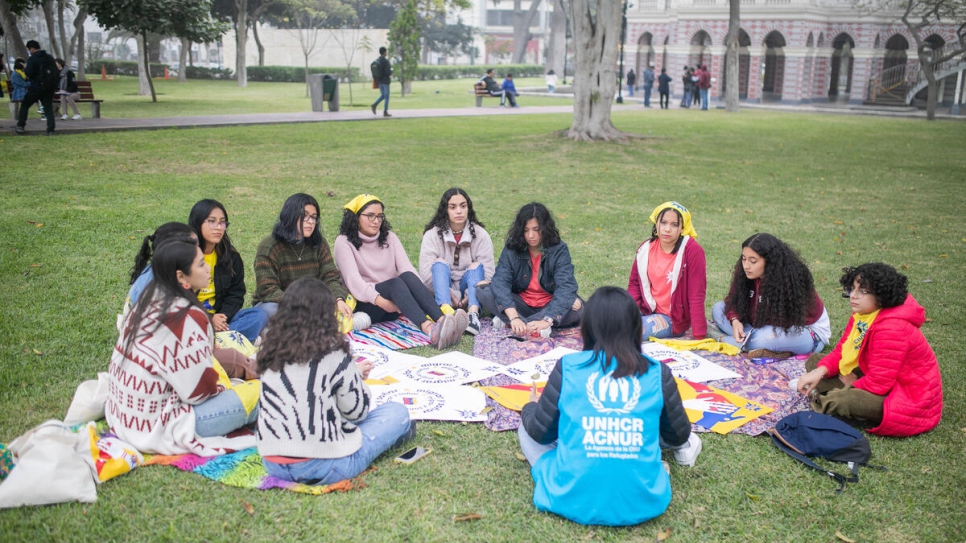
pixel 620 76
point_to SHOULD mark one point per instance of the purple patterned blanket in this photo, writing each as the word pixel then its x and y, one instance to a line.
pixel 766 384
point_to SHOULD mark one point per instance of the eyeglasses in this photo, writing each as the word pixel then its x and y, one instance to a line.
pixel 311 218
pixel 213 223
pixel 847 293
pixel 372 217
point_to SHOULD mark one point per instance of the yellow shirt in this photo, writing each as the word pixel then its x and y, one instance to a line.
pixel 207 295
pixel 850 349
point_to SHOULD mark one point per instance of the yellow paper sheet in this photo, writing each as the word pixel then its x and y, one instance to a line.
pixel 512 396
pixel 717 410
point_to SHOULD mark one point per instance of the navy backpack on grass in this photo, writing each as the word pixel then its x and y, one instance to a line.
pixel 805 435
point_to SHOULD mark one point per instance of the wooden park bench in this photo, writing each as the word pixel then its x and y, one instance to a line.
pixel 86 95
pixel 479 89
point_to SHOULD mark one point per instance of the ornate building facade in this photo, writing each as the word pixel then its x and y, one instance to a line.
pixel 791 51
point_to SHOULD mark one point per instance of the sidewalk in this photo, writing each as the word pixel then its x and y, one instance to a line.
pixel 106 124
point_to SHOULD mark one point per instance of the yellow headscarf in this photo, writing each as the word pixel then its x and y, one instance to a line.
pixel 686 228
pixel 360 202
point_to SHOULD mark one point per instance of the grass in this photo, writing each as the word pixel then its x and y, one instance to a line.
pixel 209 97
pixel 842 190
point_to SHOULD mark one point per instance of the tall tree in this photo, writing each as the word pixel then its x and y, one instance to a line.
pixel 242 14
pixel 557 48
pixel 184 18
pixel 307 17
pixel 10 10
pixel 597 29
pixel 732 86
pixel 404 35
pixel 47 6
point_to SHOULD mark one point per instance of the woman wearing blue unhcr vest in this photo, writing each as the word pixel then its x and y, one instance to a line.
pixel 594 437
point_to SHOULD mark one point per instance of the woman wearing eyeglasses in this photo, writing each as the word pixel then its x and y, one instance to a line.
pixel 224 296
pixel 382 279
pixel 296 249
pixel 456 255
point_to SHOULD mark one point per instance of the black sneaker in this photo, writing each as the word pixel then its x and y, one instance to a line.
pixel 373 107
pixel 19 129
pixel 473 327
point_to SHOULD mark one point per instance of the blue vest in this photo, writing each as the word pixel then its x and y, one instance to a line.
pixel 607 467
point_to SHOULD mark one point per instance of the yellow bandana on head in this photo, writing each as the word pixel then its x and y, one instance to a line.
pixel 686 228
pixel 360 202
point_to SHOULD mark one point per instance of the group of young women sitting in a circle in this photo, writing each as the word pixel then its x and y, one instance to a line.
pixel 171 390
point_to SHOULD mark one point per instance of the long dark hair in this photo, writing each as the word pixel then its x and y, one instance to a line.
pixel 288 228
pixel 350 226
pixel 888 286
pixel 549 236
pixel 304 329
pixel 441 218
pixel 677 244
pixel 611 327
pixel 162 292
pixel 199 213
pixel 169 231
pixel 787 289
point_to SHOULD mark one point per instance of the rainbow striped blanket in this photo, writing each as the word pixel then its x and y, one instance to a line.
pixel 396 335
pixel 244 469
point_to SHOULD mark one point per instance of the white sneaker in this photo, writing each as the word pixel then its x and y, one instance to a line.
pixel 361 321
pixel 687 454
pixel 76 117
pixel 473 327
pixel 498 324
pixel 545 333
pixel 63 117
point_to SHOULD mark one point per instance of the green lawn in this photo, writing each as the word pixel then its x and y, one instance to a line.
pixel 842 190
pixel 209 97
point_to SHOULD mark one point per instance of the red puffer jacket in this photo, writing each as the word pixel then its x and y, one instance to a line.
pixel 897 362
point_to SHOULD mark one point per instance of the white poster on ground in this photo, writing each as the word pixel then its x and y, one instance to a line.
pixel 434 402
pixel 525 370
pixel 687 365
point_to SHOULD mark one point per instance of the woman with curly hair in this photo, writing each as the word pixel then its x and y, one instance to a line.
pixel 882 371
pixel 167 395
pixel 533 287
pixel 381 278
pixel 456 255
pixel 224 296
pixel 668 278
pixel 316 425
pixel 609 394
pixel 296 249
pixel 772 308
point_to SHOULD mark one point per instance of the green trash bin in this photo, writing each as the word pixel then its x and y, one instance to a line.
pixel 329 86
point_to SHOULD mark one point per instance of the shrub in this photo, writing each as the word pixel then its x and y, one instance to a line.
pixel 426 73
pixel 197 72
pixel 296 74
pixel 123 67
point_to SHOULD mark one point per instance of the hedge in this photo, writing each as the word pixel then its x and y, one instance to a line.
pixel 123 67
pixel 296 74
pixel 197 72
pixel 424 73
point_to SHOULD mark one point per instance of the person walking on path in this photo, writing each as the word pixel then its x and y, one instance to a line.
pixel 382 74
pixel 44 79
pixel 704 84
pixel 631 80
pixel 647 81
pixel 664 88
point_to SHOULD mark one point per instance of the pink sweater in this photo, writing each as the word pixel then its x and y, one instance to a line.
pixel 363 268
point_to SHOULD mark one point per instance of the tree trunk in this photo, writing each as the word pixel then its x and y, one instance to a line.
pixel 521 30
pixel 307 74
pixel 241 42
pixel 731 57
pixel 48 9
pixel 79 44
pixel 557 48
pixel 144 69
pixel 66 42
pixel 258 43
pixel 78 25
pixel 10 31
pixel 931 86
pixel 596 36
pixel 183 59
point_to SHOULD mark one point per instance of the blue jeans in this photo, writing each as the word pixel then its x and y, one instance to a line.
pixel 383 95
pixel 686 102
pixel 795 340
pixel 630 90
pixel 651 321
pixel 380 430
pixel 704 99
pixel 647 96
pixel 269 308
pixel 222 414
pixel 442 281
pixel 249 322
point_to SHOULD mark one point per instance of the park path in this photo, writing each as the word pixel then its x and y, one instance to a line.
pixel 107 124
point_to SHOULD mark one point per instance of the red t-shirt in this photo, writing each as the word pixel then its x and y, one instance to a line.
pixel 534 295
pixel 659 266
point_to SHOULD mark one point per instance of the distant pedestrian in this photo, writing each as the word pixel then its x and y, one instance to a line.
pixel 686 81
pixel 510 89
pixel 695 95
pixel 43 80
pixel 382 75
pixel 496 90
pixel 664 88
pixel 631 80
pixel 647 78
pixel 3 70
pixel 551 79
pixel 704 85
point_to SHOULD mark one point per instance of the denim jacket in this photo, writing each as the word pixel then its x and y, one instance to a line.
pixel 513 274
